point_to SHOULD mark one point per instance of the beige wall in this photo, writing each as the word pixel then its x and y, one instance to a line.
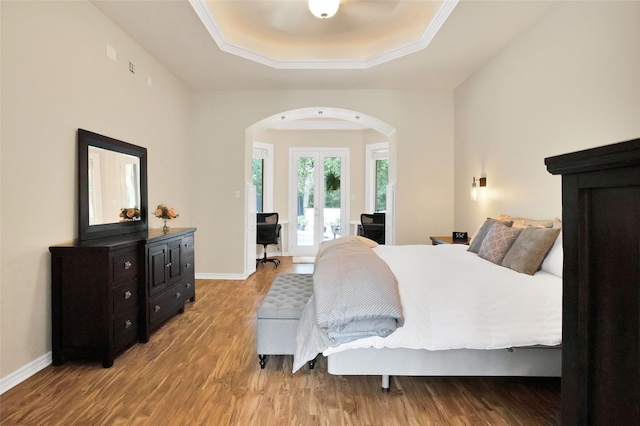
pixel 57 78
pixel 221 161
pixel 571 82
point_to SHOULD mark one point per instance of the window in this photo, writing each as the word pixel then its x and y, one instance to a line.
pixel 377 177
pixel 262 172
pixel 382 178
pixel 258 179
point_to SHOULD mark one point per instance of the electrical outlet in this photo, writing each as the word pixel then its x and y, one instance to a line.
pixel 132 68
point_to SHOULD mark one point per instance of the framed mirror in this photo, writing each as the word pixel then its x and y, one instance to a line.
pixel 112 178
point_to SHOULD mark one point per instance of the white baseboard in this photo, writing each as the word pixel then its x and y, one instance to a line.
pixel 25 372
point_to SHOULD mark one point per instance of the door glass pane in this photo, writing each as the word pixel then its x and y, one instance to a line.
pixel 382 179
pixel 258 179
pixel 306 216
pixel 331 198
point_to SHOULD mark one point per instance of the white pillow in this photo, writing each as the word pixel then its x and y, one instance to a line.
pixel 553 261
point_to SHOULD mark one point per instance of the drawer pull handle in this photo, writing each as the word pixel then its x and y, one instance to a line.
pixel 178 295
pixel 156 308
pixel 127 265
pixel 186 245
pixel 187 266
pixel 188 285
pixel 127 294
pixel 127 324
pixel 167 265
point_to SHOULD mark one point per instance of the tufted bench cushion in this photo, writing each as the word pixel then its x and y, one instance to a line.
pixel 279 314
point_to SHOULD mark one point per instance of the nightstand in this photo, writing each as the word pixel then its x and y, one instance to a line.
pixel 446 240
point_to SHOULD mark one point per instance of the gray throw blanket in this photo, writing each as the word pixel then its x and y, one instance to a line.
pixel 355 296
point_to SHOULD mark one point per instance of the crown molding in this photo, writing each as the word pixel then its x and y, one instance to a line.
pixel 204 13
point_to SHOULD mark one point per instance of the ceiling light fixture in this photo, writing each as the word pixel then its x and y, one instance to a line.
pixel 324 9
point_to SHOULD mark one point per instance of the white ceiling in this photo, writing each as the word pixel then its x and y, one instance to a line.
pixel 174 34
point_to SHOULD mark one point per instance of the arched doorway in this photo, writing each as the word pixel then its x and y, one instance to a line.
pixel 305 114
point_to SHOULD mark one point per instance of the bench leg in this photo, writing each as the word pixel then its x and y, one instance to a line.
pixel 312 363
pixel 263 361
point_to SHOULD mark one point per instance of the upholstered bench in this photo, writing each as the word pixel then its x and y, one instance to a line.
pixel 279 314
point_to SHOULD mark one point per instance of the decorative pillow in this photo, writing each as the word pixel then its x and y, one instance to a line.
pixel 476 242
pixel 473 235
pixel 529 249
pixel 521 222
pixel 498 241
pixel 553 262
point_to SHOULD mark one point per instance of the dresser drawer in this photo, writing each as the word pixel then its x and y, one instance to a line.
pixel 188 266
pixel 125 330
pixel 165 305
pixel 188 244
pixel 125 297
pixel 124 264
pixel 189 286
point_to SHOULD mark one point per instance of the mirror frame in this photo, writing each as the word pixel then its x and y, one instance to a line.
pixel 90 232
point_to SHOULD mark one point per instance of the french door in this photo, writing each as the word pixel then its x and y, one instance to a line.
pixel 318 197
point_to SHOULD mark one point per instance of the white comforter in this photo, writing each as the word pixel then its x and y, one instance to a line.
pixel 453 299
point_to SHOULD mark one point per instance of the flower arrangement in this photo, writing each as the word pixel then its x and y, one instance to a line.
pixel 166 213
pixel 129 213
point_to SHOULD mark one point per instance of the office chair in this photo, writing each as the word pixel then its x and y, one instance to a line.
pixel 268 232
pixel 373 226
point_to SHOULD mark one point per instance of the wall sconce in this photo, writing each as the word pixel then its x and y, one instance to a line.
pixel 482 182
pixel 474 190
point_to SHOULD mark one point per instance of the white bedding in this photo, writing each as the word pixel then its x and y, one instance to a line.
pixel 453 299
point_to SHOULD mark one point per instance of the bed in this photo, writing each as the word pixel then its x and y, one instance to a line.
pixel 461 314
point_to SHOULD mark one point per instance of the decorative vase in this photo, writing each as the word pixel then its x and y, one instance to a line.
pixel 165 227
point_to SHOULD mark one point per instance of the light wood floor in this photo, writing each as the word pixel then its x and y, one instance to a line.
pixel 201 368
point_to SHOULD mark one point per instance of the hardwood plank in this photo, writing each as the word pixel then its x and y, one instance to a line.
pixel 201 368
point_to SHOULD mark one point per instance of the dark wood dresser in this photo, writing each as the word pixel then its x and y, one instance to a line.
pixel 108 293
pixel 170 279
pixel 601 284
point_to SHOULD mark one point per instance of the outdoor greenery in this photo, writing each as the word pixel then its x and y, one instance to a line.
pixel 331 178
pixel 305 181
pixel 258 177
pixel 382 179
pixel 332 182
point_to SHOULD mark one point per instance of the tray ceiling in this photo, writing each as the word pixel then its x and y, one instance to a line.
pixel 285 35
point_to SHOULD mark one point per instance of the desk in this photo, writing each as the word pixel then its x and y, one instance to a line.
pixel 446 240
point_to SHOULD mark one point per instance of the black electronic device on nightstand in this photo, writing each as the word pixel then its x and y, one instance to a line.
pixel 460 237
